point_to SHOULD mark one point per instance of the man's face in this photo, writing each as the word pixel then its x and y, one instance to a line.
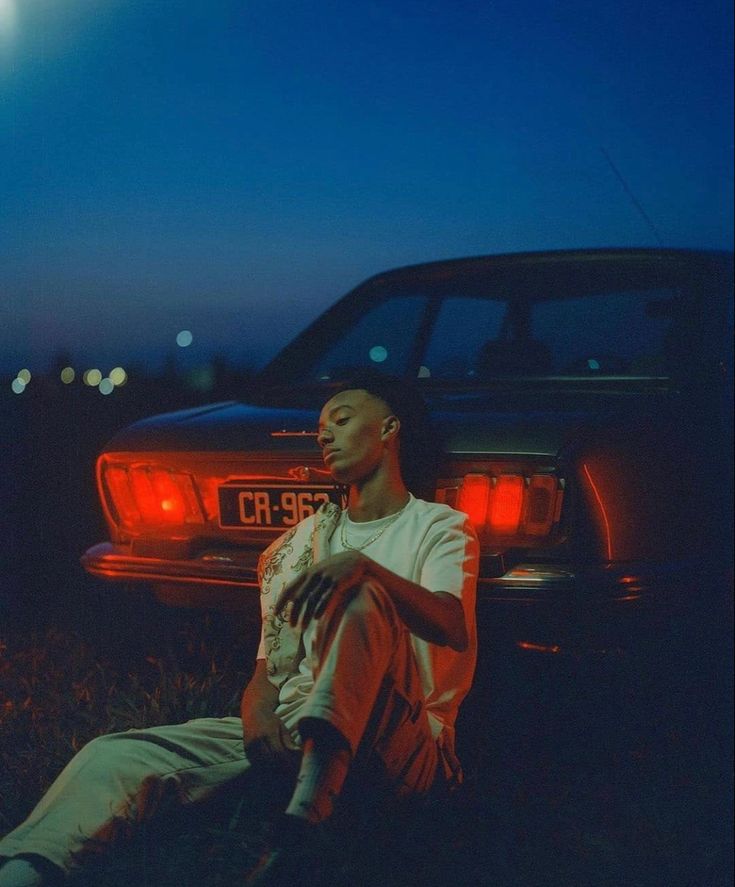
pixel 353 429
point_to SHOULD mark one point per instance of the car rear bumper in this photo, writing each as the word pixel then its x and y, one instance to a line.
pixel 539 609
pixel 215 568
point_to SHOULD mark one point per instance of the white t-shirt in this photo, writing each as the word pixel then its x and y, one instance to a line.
pixel 436 547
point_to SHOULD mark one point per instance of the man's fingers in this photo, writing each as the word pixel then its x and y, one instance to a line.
pixel 284 597
pixel 270 748
pixel 344 589
pixel 321 606
pixel 309 594
pixel 321 590
pixel 287 741
pixel 290 592
pixel 300 602
pixel 322 602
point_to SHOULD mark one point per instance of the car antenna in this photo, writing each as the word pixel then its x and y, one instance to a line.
pixel 636 203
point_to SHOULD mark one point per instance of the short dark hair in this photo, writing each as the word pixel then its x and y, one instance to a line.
pixel 418 449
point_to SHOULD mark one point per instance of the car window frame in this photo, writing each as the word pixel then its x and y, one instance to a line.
pixel 703 276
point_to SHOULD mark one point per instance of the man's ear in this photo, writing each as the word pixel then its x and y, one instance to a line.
pixel 391 427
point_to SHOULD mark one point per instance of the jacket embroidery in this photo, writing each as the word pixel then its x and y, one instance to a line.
pixel 282 562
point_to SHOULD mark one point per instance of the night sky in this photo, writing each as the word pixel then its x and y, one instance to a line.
pixel 233 166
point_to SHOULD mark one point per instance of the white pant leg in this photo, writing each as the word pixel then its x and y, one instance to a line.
pixel 120 779
pixel 367 685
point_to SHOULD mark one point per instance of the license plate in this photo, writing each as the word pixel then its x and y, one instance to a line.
pixel 256 507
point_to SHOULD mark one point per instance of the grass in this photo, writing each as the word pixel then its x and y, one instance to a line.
pixel 573 783
pixel 60 686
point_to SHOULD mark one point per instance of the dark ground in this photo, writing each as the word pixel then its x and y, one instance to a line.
pixel 574 777
pixel 579 774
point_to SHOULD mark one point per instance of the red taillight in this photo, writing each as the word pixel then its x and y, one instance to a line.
pixel 118 487
pixel 474 496
pixel 506 505
pixel 510 504
pixel 150 496
pixel 144 497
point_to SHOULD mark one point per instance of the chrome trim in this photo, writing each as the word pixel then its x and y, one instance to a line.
pixel 523 573
pixel 211 568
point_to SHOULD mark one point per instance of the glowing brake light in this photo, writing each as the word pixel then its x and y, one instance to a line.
pixel 474 496
pixel 506 505
pixel 149 496
pixel 118 486
pixel 510 504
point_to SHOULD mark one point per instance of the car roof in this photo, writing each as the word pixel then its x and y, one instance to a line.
pixel 561 266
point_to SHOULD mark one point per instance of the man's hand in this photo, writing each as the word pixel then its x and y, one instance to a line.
pixel 267 741
pixel 265 738
pixel 311 592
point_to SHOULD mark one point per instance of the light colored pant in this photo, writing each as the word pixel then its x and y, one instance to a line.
pixel 366 684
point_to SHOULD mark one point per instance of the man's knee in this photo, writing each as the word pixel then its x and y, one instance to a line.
pixel 106 759
pixel 366 617
pixel 117 767
pixel 370 599
pixel 368 605
pixel 100 751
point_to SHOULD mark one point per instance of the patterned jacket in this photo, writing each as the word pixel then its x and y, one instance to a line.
pixel 283 561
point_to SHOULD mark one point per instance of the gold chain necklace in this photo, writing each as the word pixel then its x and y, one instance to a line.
pixel 374 537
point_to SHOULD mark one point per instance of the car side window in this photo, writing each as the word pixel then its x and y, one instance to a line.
pixel 383 338
pixel 463 326
pixel 626 333
pixel 617 333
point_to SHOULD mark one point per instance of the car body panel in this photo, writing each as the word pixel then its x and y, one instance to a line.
pixel 638 462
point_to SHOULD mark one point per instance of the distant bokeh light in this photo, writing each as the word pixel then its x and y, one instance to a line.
pixel 184 339
pixel 106 386
pixel 378 353
pixel 118 376
pixel 92 378
pixel 18 386
pixel 68 375
pixel 25 376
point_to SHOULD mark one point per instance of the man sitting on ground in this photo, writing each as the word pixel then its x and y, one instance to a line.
pixel 367 649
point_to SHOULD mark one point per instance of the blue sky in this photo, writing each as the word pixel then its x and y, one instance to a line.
pixel 233 167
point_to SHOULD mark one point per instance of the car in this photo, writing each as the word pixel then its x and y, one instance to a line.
pixel 582 404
